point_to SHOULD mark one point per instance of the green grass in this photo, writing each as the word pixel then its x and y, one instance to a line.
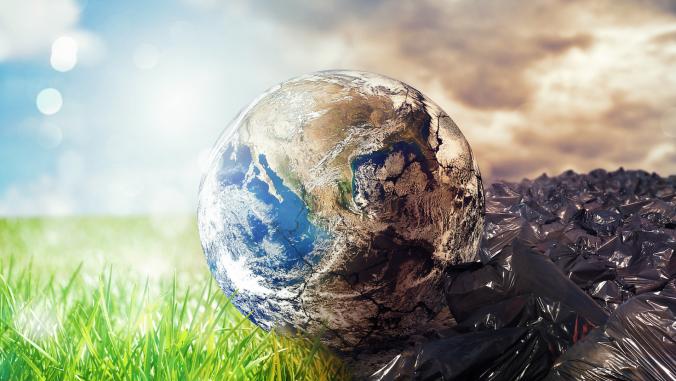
pixel 97 298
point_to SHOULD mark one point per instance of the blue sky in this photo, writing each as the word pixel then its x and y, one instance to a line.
pixel 131 132
pixel 152 84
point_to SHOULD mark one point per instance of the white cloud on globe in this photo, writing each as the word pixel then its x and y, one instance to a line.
pixel 49 101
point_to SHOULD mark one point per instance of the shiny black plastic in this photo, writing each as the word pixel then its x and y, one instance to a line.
pixel 576 283
pixel 638 343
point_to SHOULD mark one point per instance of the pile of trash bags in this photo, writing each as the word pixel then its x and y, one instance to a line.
pixel 577 282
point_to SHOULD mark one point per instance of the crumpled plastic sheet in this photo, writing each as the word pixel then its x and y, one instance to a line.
pixel 638 342
pixel 576 283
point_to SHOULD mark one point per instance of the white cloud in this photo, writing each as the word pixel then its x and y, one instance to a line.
pixel 146 56
pixel 39 197
pixel 90 47
pixel 49 135
pixel 77 187
pixel 45 132
pixel 29 27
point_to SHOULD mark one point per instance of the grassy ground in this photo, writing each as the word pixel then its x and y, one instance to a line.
pixel 130 299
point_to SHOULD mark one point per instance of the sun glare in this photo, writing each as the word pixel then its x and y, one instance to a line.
pixel 64 54
pixel 49 101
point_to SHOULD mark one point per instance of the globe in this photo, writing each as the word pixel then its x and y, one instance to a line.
pixel 333 204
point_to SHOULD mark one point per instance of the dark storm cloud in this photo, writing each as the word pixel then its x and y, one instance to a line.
pixel 513 167
pixel 630 114
pixel 484 72
pixel 483 48
pixel 662 5
pixel 481 51
pixel 626 134
pixel 499 80
pixel 668 38
pixel 579 84
pixel 317 15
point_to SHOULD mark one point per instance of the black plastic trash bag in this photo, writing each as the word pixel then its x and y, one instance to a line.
pixel 558 256
pixel 638 343
pixel 473 356
pixel 510 324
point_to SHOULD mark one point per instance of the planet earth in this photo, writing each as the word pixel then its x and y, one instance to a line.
pixel 333 204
